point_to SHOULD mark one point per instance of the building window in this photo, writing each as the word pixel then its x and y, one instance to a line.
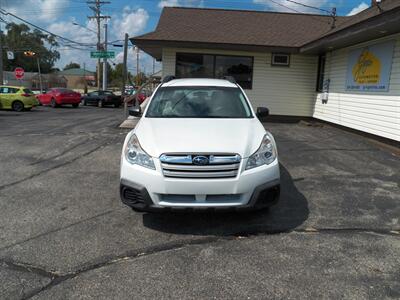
pixel 321 73
pixel 279 59
pixel 194 65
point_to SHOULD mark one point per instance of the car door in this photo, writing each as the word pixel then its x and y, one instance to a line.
pixel 94 97
pixel 2 98
pixel 6 96
pixel 43 97
pixel 49 95
pixel 100 95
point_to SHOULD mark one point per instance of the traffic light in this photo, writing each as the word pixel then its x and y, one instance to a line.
pixel 29 53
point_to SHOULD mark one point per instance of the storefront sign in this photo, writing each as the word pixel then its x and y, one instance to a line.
pixel 369 68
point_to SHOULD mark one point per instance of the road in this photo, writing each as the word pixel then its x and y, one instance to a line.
pixel 65 234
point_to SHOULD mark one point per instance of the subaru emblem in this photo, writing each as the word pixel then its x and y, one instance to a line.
pixel 200 160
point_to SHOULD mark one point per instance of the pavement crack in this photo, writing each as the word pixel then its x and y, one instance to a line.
pixel 316 230
pixel 55 230
pixel 110 260
pixel 28 268
pixel 169 246
pixel 60 154
pixel 2 187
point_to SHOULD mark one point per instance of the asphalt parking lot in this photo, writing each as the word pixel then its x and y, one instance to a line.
pixel 65 234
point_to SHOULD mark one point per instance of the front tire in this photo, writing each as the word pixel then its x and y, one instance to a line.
pixel 17 106
pixel 53 103
pixel 75 105
pixel 116 105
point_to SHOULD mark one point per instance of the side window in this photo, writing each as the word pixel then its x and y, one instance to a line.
pixel 1 90
pixel 12 91
pixel 6 90
pixel 94 93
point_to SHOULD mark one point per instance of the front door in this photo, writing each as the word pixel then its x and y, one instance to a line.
pixel 6 97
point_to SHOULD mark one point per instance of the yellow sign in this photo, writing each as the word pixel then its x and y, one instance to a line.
pixel 367 69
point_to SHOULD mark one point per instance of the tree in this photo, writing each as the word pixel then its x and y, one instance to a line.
pixel 140 78
pixel 21 38
pixel 109 71
pixel 72 65
pixel 115 76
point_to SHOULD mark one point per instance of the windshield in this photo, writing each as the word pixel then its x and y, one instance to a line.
pixel 199 102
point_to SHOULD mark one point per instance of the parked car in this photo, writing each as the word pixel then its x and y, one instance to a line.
pixel 102 98
pixel 199 145
pixel 59 96
pixel 17 98
pixel 130 97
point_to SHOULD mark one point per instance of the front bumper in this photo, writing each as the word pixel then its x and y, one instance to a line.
pixel 138 198
pixel 149 190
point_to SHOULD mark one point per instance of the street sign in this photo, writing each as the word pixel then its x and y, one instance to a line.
pixel 10 55
pixel 19 73
pixel 102 54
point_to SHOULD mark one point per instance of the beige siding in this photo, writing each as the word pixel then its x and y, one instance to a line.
pixel 375 112
pixel 284 90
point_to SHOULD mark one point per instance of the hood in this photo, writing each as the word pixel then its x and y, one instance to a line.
pixel 163 135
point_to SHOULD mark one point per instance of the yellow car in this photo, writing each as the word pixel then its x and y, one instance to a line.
pixel 17 98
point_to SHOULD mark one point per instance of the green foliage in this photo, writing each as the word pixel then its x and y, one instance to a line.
pixel 114 75
pixel 72 65
pixel 20 38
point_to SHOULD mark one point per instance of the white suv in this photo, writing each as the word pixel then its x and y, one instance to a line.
pixel 199 145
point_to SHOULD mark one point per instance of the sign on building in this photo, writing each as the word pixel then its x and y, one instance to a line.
pixel 369 68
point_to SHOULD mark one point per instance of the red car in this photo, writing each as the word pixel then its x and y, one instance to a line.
pixel 59 96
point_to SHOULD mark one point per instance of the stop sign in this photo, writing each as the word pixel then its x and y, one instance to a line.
pixel 19 73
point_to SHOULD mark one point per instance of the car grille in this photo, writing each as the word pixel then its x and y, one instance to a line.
pixel 217 166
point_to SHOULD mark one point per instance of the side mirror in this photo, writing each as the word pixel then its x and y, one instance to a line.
pixel 262 112
pixel 135 111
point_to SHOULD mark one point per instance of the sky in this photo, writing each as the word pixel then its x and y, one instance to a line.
pixel 137 17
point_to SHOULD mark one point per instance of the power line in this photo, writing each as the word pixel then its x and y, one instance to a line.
pixel 2 11
pixel 309 6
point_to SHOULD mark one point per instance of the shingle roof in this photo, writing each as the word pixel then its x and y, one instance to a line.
pixel 266 31
pixel 239 27
pixel 373 11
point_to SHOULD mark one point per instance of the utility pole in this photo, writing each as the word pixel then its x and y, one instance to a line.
pixel 1 57
pixel 124 72
pixel 40 74
pixel 96 7
pixel 137 65
pixel 85 90
pixel 105 59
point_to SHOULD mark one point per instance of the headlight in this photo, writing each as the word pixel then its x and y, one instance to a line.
pixel 136 155
pixel 265 155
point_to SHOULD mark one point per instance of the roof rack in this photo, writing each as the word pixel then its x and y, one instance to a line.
pixel 230 79
pixel 168 78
